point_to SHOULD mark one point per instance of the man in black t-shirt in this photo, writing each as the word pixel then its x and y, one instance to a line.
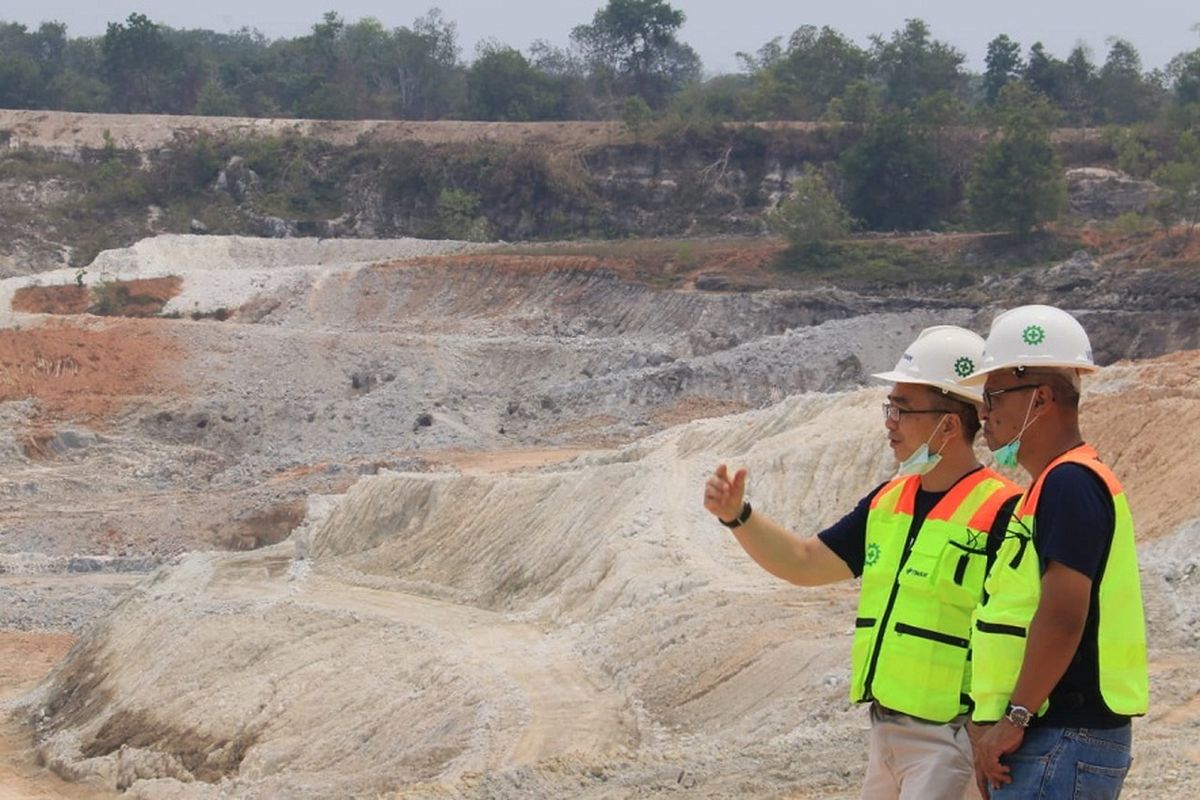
pixel 1071 618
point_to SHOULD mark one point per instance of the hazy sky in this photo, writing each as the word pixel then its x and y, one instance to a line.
pixel 717 29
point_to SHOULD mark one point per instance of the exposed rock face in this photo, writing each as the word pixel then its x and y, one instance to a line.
pixel 341 357
pixel 567 180
pixel 1100 194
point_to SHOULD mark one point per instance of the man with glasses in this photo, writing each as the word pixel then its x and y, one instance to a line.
pixel 921 543
pixel 1059 645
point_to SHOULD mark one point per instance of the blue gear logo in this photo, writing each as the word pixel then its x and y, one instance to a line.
pixel 872 554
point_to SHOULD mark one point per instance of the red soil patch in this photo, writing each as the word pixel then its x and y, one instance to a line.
pixel 137 298
pixel 52 299
pixel 87 372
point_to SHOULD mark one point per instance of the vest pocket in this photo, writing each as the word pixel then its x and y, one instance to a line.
pixel 960 575
pixel 951 572
pixel 920 570
pixel 997 652
pixel 934 636
pixel 1000 628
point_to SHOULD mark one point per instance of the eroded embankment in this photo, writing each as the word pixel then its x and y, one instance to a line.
pixel 579 631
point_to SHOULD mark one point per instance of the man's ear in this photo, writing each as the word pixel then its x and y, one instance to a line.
pixel 1043 396
pixel 952 424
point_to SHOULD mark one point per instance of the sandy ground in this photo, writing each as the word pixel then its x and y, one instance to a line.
pixel 25 658
pixel 576 630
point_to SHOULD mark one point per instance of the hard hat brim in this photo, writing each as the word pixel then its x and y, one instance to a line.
pixel 960 391
pixel 978 378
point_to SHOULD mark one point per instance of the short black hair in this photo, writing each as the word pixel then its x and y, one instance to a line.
pixel 966 411
pixel 1063 383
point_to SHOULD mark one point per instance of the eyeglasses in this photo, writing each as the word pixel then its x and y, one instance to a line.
pixel 987 396
pixel 894 413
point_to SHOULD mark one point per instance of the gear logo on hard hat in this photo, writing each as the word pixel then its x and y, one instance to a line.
pixel 964 367
pixel 1034 336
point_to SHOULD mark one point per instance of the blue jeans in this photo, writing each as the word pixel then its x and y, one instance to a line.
pixel 1068 764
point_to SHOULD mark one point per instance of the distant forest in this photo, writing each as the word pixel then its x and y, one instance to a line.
pixel 627 62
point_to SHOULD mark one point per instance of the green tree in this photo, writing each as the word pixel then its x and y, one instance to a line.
pixel 800 82
pixel 214 101
pixel 723 97
pixel 1180 178
pixel 812 216
pixel 1046 74
pixel 1123 93
pixel 637 115
pixel 860 103
pixel 632 44
pixel 141 66
pixel 1003 65
pixel 503 85
pixel 566 78
pixel 1134 148
pixel 1018 183
pixel 893 178
pixel 430 77
pixel 911 65
pixel 20 82
pixel 1184 73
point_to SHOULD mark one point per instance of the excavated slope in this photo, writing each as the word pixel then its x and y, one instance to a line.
pixel 584 630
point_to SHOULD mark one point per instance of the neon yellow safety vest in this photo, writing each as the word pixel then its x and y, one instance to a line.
pixel 1014 587
pixel 914 613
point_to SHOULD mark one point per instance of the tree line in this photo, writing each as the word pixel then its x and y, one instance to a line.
pixel 629 55
pixel 913 161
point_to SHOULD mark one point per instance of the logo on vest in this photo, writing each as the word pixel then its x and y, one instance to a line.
pixel 872 554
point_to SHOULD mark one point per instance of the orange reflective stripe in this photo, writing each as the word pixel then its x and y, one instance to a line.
pixel 888 490
pixel 986 515
pixel 954 498
pixel 908 496
pixel 1085 455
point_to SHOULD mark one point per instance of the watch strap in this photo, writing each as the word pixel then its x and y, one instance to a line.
pixel 740 519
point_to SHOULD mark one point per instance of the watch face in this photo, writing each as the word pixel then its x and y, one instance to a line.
pixel 1019 716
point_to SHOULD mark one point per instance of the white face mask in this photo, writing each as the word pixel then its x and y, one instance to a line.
pixel 922 461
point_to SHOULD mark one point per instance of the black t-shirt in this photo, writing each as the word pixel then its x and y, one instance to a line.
pixel 847 537
pixel 1073 525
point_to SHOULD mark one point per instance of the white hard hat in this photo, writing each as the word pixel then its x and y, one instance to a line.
pixel 940 357
pixel 1034 336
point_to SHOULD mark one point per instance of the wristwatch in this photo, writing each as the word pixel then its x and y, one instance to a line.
pixel 1020 716
pixel 740 519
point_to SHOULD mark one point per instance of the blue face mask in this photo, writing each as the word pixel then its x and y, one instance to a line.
pixel 1006 456
pixel 922 461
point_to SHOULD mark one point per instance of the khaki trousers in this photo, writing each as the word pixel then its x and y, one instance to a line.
pixel 915 760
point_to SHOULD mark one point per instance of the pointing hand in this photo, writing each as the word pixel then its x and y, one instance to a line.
pixel 723 495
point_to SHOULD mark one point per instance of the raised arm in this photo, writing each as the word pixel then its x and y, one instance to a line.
pixel 804 561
